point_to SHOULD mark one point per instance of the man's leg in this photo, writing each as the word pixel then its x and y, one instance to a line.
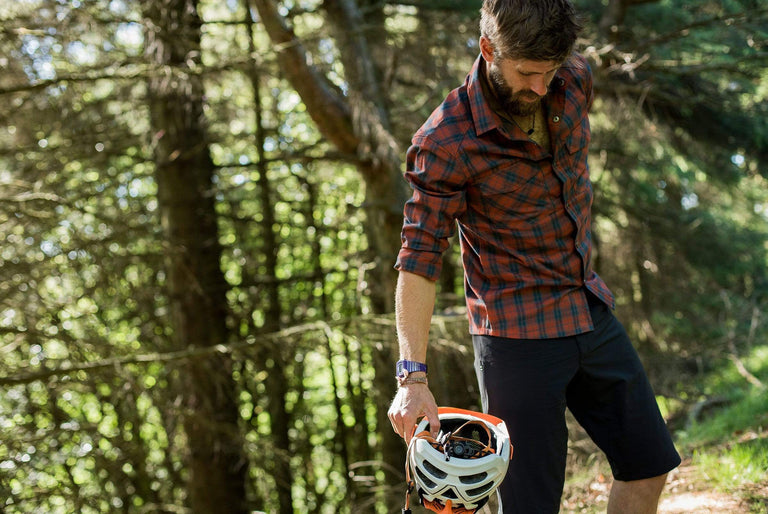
pixel 636 496
pixel 524 383
pixel 612 399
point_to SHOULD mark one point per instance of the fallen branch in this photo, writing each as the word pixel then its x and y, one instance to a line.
pixel 733 354
pixel 382 323
pixel 695 413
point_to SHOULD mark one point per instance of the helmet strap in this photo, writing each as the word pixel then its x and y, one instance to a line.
pixel 408 491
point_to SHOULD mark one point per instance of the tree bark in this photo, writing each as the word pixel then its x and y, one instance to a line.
pixel 197 288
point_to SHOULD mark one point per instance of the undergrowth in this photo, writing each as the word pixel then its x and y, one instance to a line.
pixel 728 443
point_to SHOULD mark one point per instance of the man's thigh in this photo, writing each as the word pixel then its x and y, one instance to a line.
pixel 612 399
pixel 524 383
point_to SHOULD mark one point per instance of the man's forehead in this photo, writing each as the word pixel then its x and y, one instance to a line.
pixel 534 67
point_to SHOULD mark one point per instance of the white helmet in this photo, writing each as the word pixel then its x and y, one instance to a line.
pixel 458 471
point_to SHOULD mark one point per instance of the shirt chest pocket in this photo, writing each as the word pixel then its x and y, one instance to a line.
pixel 516 190
pixel 573 164
pixel 573 155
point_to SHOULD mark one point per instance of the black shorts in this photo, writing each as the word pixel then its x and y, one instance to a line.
pixel 599 377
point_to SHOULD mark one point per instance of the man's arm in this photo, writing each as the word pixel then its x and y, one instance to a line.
pixel 414 302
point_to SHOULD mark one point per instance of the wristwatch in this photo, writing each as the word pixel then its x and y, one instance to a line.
pixel 403 368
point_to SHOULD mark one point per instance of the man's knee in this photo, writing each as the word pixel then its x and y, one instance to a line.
pixel 657 481
pixel 636 496
pixel 644 485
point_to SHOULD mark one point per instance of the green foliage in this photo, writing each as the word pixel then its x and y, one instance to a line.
pixel 729 443
pixel 743 465
pixel 681 204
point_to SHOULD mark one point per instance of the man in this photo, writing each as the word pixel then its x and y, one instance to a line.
pixel 505 158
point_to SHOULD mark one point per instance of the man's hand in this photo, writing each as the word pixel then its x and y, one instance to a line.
pixel 412 402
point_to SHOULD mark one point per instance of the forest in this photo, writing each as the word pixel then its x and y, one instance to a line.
pixel 200 210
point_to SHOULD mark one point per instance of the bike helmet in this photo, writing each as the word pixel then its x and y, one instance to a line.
pixel 459 470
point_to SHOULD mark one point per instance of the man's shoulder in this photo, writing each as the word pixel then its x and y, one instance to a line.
pixel 450 121
pixel 576 70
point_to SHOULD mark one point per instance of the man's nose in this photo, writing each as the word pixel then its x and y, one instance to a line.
pixel 539 86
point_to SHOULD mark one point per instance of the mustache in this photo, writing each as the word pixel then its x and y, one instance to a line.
pixel 526 95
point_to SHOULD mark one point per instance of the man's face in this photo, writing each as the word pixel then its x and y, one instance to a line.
pixel 521 84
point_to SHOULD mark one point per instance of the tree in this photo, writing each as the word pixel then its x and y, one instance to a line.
pixel 670 194
pixel 196 286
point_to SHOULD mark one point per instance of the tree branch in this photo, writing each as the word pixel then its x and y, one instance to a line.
pixel 613 17
pixel 684 31
pixel 71 78
pixel 124 71
pixel 371 120
pixel 26 377
pixel 321 328
pixel 324 100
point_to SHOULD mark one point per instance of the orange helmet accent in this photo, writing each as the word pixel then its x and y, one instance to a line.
pixel 482 415
pixel 448 508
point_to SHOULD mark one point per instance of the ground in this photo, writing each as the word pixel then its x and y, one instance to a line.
pixel 685 494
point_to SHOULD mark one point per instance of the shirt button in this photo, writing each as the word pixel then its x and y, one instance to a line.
pixel 561 82
pixel 556 119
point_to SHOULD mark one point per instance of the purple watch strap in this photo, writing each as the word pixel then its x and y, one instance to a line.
pixel 404 366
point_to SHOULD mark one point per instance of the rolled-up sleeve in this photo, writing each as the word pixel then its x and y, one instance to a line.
pixel 438 181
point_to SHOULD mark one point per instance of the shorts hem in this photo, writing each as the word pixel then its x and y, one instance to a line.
pixel 649 473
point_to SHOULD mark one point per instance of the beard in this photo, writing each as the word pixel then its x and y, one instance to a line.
pixel 520 103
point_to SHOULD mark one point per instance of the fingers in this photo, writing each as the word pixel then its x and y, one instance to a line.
pixel 395 418
pixel 400 419
pixel 434 420
pixel 409 405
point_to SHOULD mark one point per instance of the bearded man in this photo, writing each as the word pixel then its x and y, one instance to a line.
pixel 504 160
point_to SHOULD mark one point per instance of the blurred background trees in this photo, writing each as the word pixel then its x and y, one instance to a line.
pixel 201 204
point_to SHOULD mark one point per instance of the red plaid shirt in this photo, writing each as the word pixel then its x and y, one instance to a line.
pixel 523 212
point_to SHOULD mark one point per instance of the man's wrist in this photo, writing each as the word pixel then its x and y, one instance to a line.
pixel 415 378
pixel 404 367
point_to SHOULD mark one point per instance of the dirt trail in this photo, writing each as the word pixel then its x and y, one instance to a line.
pixel 685 493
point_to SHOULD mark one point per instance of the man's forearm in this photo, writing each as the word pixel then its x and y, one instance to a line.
pixel 414 303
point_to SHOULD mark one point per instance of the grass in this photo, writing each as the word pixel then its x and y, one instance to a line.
pixel 728 444
pixel 741 465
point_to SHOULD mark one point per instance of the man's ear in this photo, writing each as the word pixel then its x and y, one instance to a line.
pixel 486 49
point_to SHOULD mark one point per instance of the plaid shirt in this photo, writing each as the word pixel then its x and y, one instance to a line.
pixel 523 212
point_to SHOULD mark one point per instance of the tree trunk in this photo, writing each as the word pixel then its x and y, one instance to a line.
pixel 197 288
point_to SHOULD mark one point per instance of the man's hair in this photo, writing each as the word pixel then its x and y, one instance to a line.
pixel 537 30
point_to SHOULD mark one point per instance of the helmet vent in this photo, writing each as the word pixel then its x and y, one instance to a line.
pixel 427 482
pixel 480 490
pixel 473 479
pixel 439 473
pixel 450 494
